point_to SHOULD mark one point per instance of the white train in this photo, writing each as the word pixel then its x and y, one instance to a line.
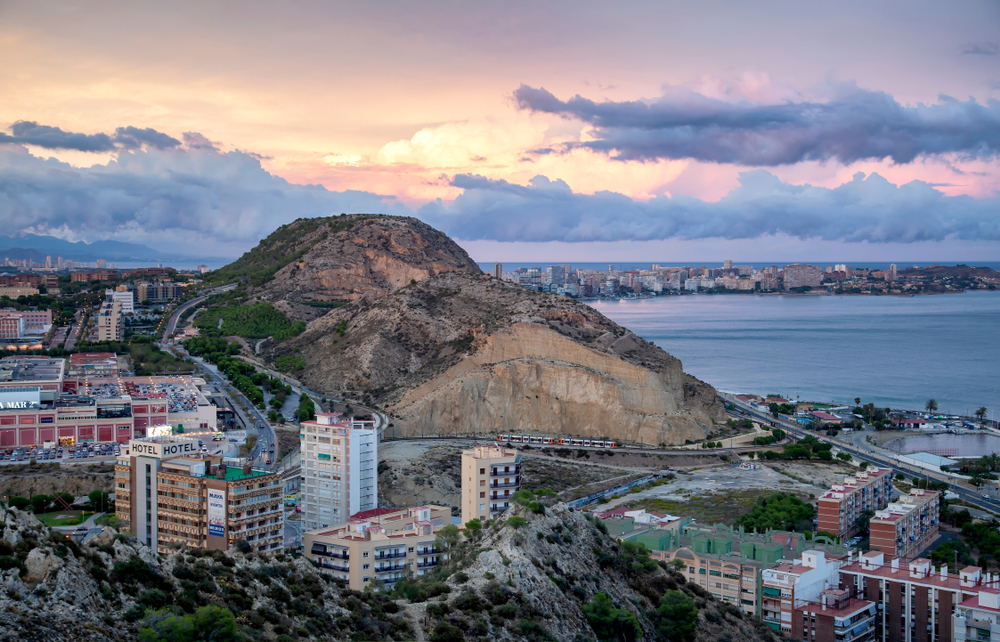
pixel 556 441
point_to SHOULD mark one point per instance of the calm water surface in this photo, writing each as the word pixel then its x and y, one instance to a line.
pixel 893 351
pixel 947 445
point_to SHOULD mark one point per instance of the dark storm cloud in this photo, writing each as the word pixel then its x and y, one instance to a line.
pixel 982 49
pixel 854 124
pixel 187 201
pixel 26 132
pixel 134 138
pixel 864 209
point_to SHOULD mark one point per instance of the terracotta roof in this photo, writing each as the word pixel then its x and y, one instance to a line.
pixel 375 512
pixel 853 606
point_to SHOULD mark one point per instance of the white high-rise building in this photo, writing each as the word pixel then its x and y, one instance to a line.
pixel 339 459
pixel 123 296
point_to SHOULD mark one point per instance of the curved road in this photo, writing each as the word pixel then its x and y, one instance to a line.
pixel 175 315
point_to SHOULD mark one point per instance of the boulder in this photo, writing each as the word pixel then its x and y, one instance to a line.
pixel 40 563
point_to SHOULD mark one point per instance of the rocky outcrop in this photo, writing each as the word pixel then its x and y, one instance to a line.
pixel 344 258
pixel 461 354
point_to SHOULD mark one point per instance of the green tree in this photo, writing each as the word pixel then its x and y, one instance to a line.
pixel 864 520
pixel 931 405
pixel 473 526
pixel 99 500
pixel 981 413
pixel 676 617
pixel 610 623
pixel 208 624
pixel 447 537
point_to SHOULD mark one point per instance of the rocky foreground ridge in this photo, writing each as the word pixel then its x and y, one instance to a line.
pixel 458 353
pixel 534 578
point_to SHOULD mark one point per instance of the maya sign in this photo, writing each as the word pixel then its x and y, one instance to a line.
pixel 159 450
pixel 216 513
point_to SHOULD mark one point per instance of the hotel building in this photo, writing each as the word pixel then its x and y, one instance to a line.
pixel 339 469
pixel 490 477
pixel 790 585
pixel 380 546
pixel 841 506
pixel 907 526
pixel 168 494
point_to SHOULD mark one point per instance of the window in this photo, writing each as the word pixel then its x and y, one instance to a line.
pixel 482 507
pixel 482 495
pixel 482 471
pixel 482 482
pixel 365 567
pixel 411 549
pixel 365 579
pixel 365 554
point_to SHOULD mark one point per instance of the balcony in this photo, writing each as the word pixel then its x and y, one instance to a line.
pixel 389 556
pixel 389 569
pixel 498 509
pixel 428 551
pixel 427 564
pixel 336 567
pixel 512 484
pixel 319 549
pixel 496 472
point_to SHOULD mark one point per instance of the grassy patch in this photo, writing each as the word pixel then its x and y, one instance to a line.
pixel 61 518
pixel 707 509
pixel 253 321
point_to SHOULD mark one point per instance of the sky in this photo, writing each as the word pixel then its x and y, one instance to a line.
pixel 583 131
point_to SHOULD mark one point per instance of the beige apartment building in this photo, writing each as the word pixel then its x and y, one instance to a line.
pixel 490 477
pixel 842 505
pixel 109 321
pixel 167 493
pixel 380 546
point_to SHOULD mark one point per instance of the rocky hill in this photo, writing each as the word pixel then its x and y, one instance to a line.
pixel 544 574
pixel 459 353
pixel 307 265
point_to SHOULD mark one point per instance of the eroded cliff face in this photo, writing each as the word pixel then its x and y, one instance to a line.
pixel 466 354
pixel 532 379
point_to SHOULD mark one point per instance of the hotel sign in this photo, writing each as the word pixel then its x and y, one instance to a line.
pixel 216 512
pixel 11 405
pixel 160 450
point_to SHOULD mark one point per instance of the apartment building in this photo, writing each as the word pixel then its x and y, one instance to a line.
pixel 109 322
pixel 797 275
pixel 907 526
pixel 168 494
pixel 728 562
pixel 490 477
pixel 11 326
pixel 842 505
pixel 380 546
pixel 789 585
pixel 978 617
pixel 837 616
pixel 36 322
pixel 122 295
pixel 916 603
pixel 339 469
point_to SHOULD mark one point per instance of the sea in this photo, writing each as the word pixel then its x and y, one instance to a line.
pixel 892 351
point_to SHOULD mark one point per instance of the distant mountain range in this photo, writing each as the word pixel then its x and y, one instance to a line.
pixel 36 248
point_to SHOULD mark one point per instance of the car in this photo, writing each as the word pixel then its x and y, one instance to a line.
pixel 987 497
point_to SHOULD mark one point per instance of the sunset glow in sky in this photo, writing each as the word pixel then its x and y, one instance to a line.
pixel 563 131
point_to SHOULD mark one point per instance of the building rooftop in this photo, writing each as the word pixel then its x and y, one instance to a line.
pixel 845 608
pixel 31 369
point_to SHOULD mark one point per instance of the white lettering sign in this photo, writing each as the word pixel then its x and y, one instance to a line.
pixel 216 513
pixel 160 450
pixel 11 405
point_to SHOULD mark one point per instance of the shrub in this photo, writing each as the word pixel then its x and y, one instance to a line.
pixel 517 521
pixel 610 623
pixel 676 617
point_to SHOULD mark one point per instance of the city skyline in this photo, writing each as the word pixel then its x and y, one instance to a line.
pixel 513 136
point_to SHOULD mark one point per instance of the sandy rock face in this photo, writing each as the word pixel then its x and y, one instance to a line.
pixel 532 379
pixel 464 354
pixel 40 564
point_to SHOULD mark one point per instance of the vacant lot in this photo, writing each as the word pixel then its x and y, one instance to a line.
pixel 25 480
pixel 288 439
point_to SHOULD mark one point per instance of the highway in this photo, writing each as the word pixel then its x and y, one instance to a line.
pixel 866 454
pixel 176 314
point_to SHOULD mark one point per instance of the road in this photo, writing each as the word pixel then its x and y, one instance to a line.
pixel 58 337
pixel 74 334
pixel 176 314
pixel 864 452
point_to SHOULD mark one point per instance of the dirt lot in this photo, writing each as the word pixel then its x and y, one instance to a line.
pixel 24 479
pixel 625 459
pixel 721 494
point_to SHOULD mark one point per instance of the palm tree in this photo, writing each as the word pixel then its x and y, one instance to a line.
pixel 857 401
pixel 981 413
pixel 931 405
